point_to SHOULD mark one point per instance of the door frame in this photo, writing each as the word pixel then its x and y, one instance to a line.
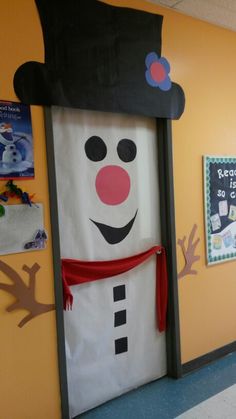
pixel 167 212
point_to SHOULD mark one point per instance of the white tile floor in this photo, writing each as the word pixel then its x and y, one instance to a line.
pixel 220 406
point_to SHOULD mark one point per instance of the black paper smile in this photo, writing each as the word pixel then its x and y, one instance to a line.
pixel 114 235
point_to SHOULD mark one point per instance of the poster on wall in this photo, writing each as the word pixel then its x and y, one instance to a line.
pixel 220 208
pixel 16 141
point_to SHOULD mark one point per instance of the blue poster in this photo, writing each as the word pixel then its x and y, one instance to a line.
pixel 16 141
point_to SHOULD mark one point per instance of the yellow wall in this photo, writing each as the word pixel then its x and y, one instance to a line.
pixel 203 59
pixel 29 384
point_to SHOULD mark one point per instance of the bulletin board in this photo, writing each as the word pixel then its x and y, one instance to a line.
pixel 220 208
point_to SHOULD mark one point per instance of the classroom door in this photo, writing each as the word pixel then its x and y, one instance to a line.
pixel 109 208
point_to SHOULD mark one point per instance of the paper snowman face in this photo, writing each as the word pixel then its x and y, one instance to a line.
pixel 112 183
pixel 107 184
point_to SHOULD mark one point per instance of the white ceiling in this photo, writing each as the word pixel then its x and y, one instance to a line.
pixel 218 12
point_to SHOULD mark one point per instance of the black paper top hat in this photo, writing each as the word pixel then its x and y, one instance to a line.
pixel 100 57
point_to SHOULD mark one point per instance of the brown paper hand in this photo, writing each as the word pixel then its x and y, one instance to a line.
pixel 189 256
pixel 24 295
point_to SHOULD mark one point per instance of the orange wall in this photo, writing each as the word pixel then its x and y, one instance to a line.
pixel 29 384
pixel 203 59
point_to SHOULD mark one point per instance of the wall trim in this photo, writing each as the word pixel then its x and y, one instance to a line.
pixel 56 264
pixel 203 360
pixel 168 239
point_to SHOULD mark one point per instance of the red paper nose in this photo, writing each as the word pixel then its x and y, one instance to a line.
pixel 112 185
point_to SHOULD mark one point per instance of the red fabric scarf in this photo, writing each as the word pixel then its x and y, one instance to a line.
pixel 76 272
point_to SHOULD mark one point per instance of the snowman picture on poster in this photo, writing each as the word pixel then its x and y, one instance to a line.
pixel 16 149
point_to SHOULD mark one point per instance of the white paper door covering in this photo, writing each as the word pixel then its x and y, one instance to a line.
pixel 112 343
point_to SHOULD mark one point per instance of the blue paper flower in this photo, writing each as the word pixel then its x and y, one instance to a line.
pixel 157 71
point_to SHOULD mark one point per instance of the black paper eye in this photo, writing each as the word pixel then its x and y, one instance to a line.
pixel 95 148
pixel 126 150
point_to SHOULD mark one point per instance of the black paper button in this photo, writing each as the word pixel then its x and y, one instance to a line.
pixel 119 318
pixel 119 293
pixel 121 345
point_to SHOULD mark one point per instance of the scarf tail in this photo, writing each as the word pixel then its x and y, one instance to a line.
pixel 67 295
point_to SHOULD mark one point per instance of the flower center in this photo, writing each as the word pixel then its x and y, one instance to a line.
pixel 158 72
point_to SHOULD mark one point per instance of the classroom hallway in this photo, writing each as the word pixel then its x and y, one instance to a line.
pixel 208 393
